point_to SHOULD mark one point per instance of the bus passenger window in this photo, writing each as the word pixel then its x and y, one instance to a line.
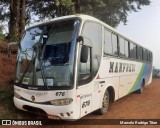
pixel 139 53
pixel 93 31
pixel 133 50
pixel 114 43
pixel 126 52
pixel 144 54
pixel 122 47
pixel 107 43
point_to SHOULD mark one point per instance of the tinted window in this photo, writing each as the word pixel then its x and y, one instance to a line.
pixel 114 44
pixel 126 48
pixel 144 54
pixel 148 55
pixel 139 52
pixel 57 53
pixel 121 47
pixel 151 57
pixel 107 42
pixel 93 31
pixel 133 51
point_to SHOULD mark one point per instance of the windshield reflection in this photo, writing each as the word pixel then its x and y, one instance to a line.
pixel 57 53
pixel 45 57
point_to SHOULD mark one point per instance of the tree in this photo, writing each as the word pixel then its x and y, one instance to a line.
pixel 21 12
pixel 111 12
pixel 4 15
pixel 51 8
pixel 17 19
pixel 13 12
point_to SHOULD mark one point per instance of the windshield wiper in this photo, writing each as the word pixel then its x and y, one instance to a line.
pixel 38 51
pixel 27 68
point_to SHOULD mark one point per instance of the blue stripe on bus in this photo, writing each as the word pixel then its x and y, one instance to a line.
pixel 145 73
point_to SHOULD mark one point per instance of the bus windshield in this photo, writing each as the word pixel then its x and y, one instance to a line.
pixel 46 55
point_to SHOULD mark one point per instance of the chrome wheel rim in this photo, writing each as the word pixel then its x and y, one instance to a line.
pixel 105 103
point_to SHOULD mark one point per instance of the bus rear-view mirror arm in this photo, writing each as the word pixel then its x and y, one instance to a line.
pixel 9 50
pixel 85 41
pixel 86 44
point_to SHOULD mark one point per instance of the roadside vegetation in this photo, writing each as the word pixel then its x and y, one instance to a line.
pixel 7 106
pixel 8 109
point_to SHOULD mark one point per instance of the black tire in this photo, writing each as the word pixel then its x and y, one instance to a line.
pixel 140 91
pixel 105 104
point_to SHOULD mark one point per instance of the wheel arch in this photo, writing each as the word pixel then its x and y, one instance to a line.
pixel 143 82
pixel 111 92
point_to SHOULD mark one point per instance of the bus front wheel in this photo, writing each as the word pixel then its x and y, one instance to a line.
pixel 105 103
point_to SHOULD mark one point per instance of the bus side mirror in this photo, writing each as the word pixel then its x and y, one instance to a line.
pixel 84 54
pixel 9 50
pixel 86 44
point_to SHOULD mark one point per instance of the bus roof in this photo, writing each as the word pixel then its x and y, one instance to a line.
pixel 84 18
pixel 81 16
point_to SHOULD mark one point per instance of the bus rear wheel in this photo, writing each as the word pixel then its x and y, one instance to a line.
pixel 140 91
pixel 105 103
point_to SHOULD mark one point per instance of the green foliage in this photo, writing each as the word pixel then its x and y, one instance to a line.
pixel 8 109
pixel 4 15
pixel 111 12
pixel 6 100
pixel 1 33
pixel 6 96
pixel 50 8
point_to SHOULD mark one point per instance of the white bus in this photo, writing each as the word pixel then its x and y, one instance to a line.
pixel 71 66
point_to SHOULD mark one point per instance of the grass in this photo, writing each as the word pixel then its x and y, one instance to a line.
pixel 6 100
pixel 8 109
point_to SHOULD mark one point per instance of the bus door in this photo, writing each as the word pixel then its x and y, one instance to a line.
pixel 84 84
pixel 88 89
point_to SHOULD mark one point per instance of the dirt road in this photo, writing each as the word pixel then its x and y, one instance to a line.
pixel 133 106
pixel 136 106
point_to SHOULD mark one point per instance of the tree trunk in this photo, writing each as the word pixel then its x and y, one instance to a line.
pixel 22 18
pixel 17 19
pixel 77 6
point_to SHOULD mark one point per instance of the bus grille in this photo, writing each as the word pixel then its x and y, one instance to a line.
pixel 35 110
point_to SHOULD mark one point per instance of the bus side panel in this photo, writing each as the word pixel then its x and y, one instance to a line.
pixel 145 73
pixel 149 75
pixel 111 79
pixel 126 83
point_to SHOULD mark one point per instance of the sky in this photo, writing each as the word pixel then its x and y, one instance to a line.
pixel 144 28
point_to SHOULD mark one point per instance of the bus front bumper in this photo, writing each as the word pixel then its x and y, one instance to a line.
pixel 65 112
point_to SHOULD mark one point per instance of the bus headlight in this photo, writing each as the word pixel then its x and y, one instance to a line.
pixel 60 102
